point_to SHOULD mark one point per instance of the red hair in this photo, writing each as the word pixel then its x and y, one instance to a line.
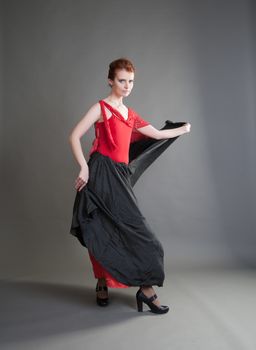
pixel 120 63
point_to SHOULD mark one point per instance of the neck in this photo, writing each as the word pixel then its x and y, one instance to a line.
pixel 117 100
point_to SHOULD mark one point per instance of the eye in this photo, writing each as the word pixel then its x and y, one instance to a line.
pixel 121 80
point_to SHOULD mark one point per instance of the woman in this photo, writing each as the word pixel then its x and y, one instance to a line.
pixel 123 250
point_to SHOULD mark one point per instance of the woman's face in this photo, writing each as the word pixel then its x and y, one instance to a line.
pixel 123 83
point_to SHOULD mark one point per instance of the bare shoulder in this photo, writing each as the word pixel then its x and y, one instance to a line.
pixel 88 119
pixel 95 109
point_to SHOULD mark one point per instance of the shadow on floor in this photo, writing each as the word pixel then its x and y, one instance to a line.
pixel 31 310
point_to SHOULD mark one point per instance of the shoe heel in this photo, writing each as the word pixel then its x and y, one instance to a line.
pixel 139 305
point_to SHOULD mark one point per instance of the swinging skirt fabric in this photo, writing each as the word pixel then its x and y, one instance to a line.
pixel 108 222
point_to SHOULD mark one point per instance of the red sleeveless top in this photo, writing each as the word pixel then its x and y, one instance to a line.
pixel 112 138
pixel 114 135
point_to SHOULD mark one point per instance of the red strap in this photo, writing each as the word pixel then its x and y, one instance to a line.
pixel 103 110
pixel 110 137
pixel 115 111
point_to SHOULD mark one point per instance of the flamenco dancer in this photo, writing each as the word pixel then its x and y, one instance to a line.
pixel 123 249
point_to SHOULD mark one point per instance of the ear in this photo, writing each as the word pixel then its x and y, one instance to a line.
pixel 110 82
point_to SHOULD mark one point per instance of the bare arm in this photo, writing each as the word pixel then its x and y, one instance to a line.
pixel 79 130
pixel 151 131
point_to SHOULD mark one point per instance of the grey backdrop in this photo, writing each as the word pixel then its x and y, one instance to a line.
pixel 195 61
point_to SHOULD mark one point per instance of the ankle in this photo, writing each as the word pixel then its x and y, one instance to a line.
pixel 146 289
pixel 102 281
pixel 145 286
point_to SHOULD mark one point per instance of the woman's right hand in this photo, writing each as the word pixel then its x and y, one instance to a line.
pixel 82 178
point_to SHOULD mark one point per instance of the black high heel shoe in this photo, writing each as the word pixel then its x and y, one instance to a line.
pixel 101 301
pixel 141 297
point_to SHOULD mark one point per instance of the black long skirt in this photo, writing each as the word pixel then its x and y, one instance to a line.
pixel 108 222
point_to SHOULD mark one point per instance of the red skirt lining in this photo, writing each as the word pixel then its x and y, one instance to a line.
pixel 100 272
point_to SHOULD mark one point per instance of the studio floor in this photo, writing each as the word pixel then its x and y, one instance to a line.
pixel 210 309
